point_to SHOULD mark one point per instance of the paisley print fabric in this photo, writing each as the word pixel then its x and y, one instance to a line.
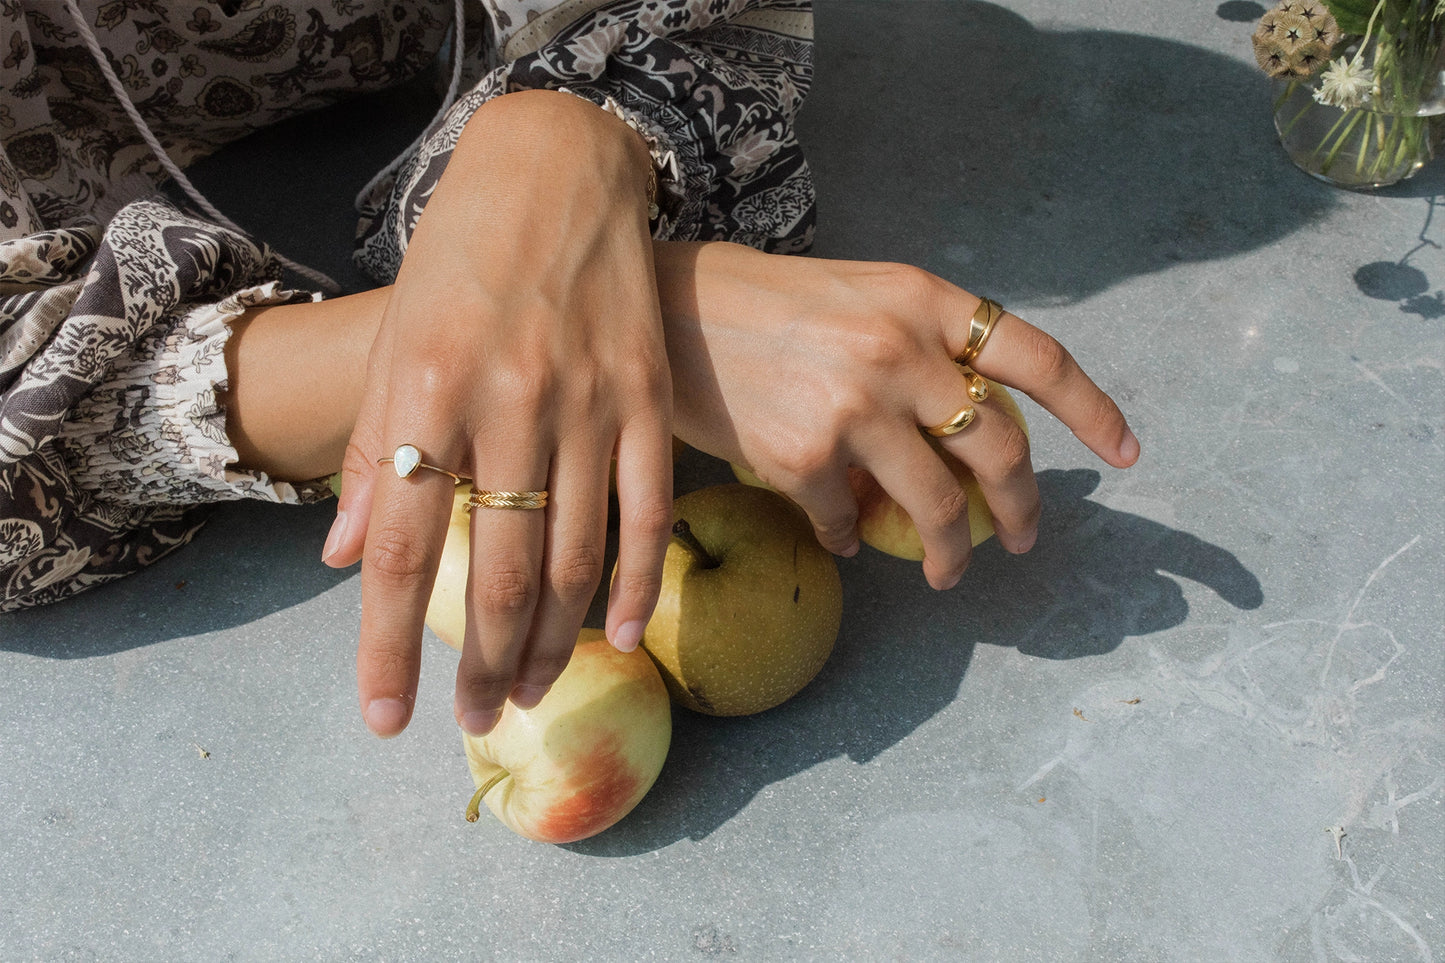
pixel 115 306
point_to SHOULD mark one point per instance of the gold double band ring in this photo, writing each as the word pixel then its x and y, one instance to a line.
pixel 524 501
pixel 407 459
pixel 980 326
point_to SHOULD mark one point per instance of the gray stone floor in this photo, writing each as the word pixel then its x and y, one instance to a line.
pixel 1128 745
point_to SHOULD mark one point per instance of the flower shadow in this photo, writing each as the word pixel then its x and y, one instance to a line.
pixel 1097 577
pixel 1040 166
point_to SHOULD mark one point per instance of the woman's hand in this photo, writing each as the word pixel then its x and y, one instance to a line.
pixel 798 368
pixel 521 346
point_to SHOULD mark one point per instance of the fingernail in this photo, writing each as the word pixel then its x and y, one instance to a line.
pixel 479 722
pixel 334 537
pixel 951 583
pixel 850 551
pixel 628 635
pixel 1025 543
pixel 385 717
pixel 1129 448
pixel 527 696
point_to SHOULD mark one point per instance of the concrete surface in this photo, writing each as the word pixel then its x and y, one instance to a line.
pixel 1128 745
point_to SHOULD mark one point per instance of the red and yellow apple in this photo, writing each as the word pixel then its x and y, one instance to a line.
pixel 582 758
pixel 882 522
pixel 750 604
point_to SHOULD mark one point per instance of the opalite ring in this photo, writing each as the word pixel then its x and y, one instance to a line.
pixel 407 459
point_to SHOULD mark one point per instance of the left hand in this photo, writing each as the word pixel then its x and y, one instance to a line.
pixel 521 346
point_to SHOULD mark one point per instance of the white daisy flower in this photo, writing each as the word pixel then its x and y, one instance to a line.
pixel 1346 84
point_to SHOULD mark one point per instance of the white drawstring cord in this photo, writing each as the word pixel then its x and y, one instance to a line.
pixel 323 281
pixel 458 52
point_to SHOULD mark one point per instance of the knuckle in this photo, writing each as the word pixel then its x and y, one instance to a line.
pixel 638 586
pixel 802 464
pixel 1050 359
pixel 521 384
pixel 505 592
pixel 907 282
pixel 397 556
pixel 1102 411
pixel 543 668
pixel 576 572
pixel 651 518
pixel 947 505
pixel 386 662
pixel 882 350
pixel 488 683
pixel 1012 454
pixel 649 375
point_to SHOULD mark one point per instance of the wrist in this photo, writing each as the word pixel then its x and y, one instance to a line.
pixel 535 129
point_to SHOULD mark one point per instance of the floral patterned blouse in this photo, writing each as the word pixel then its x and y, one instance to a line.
pixel 115 305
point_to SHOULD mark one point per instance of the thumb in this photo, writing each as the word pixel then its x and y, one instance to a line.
pixel 347 538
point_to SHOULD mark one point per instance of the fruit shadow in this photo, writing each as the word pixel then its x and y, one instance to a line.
pixel 1096 577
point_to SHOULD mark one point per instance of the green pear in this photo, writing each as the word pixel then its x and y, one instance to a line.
pixel 750 604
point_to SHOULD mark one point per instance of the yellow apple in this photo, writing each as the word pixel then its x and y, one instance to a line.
pixel 446 610
pixel 750 604
pixel 582 758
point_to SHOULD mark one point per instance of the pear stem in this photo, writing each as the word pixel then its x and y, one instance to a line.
pixel 474 808
pixel 682 531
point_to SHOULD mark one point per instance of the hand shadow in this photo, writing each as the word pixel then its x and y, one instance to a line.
pixel 1037 165
pixel 1096 577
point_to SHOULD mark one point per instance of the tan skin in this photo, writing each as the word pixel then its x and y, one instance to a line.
pixel 794 367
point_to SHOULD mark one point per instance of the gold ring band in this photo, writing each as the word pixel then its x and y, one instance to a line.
pixel 980 326
pixel 407 459
pixel 954 425
pixel 977 384
pixel 525 501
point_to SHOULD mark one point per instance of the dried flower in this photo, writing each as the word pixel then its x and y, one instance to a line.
pixel 1346 83
pixel 1295 38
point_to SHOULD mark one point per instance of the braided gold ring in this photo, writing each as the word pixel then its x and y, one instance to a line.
pixel 526 501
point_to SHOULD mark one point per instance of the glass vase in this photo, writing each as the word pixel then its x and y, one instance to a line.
pixel 1379 143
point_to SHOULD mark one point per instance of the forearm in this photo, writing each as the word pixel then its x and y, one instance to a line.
pixel 294 379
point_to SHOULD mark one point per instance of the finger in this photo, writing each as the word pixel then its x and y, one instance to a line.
pixel 917 478
pixel 1020 355
pixel 994 452
pixel 574 544
pixel 644 505
pixel 346 541
pixel 405 530
pixel 504 581
pixel 830 505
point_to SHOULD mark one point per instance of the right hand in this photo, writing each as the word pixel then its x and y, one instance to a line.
pixel 799 368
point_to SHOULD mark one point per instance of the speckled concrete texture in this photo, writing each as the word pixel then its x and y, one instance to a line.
pixel 1130 744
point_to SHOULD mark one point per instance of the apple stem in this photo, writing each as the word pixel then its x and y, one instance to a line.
pixel 474 808
pixel 682 531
